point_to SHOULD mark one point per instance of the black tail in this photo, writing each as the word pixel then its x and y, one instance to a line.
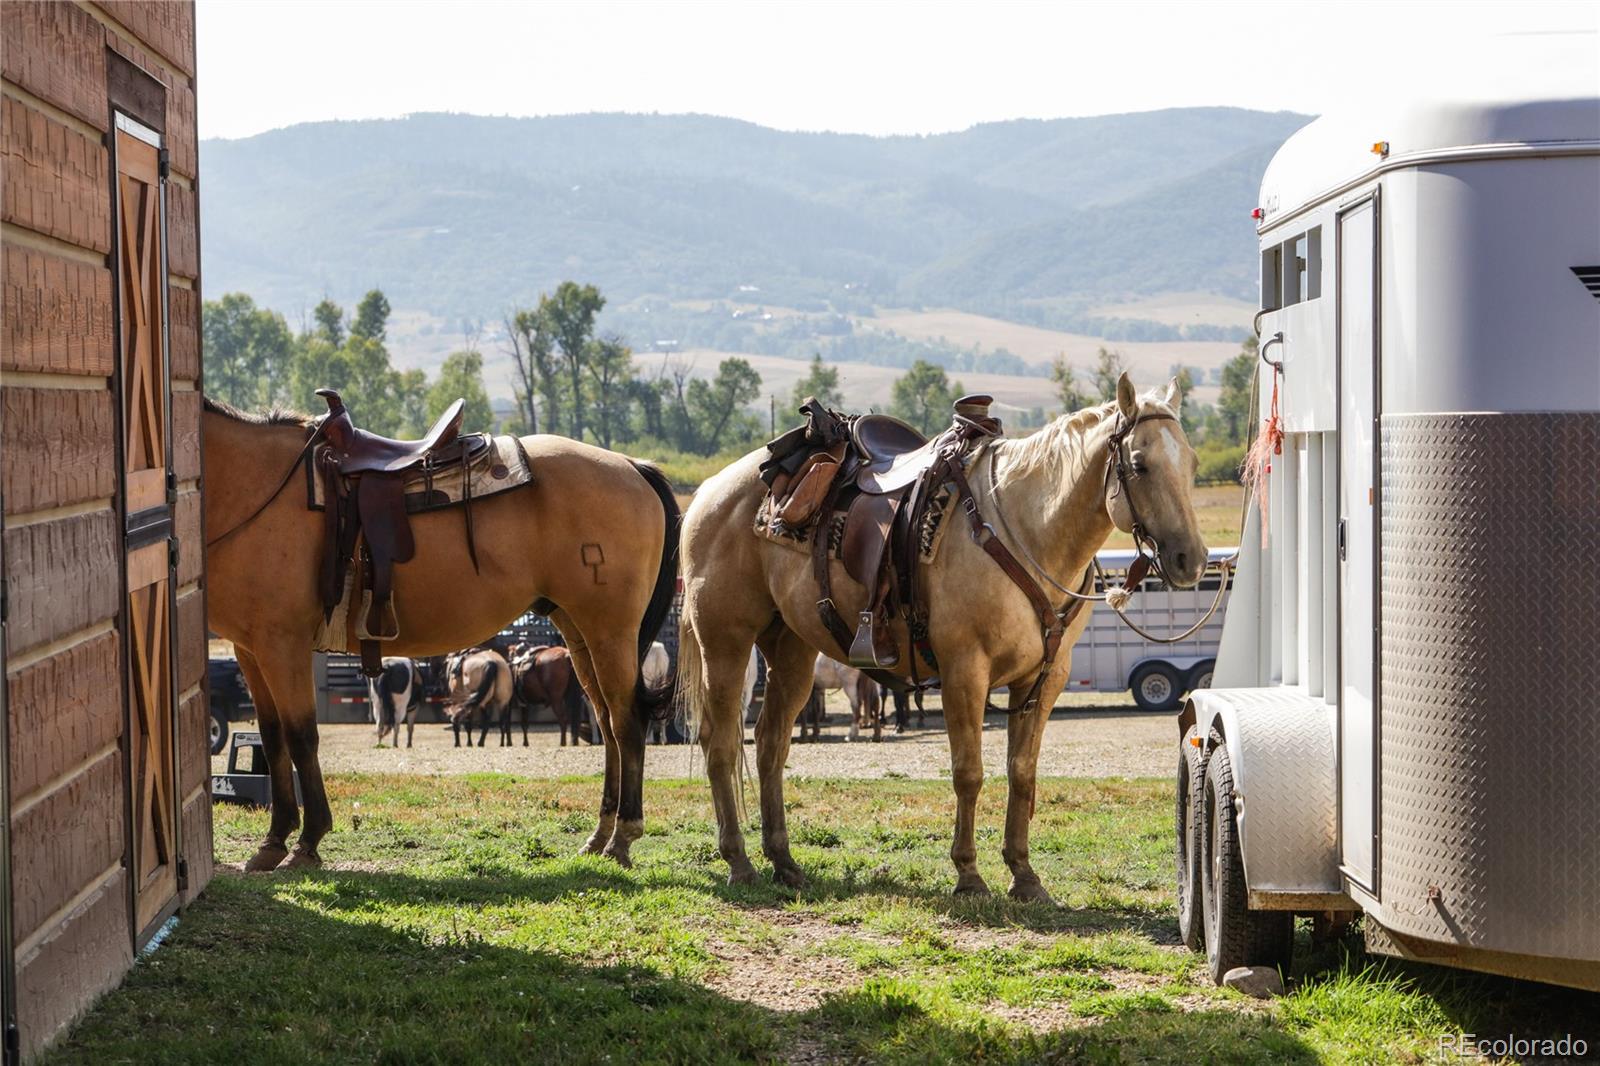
pixel 654 704
pixel 491 670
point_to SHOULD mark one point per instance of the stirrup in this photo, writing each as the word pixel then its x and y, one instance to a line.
pixel 864 648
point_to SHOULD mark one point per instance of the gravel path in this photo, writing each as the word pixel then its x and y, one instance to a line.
pixel 1082 739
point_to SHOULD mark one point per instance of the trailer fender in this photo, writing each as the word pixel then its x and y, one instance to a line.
pixel 1281 745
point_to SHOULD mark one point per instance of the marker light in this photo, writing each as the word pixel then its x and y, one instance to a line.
pixel 1380 148
pixel 1258 214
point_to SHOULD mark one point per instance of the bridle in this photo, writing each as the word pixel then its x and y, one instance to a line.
pixel 1148 558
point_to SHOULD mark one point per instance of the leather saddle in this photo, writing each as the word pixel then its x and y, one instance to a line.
pixel 365 477
pixel 883 474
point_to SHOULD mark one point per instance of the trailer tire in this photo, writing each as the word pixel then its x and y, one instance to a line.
pixel 1235 935
pixel 219 730
pixel 1190 802
pixel 1156 687
pixel 1200 676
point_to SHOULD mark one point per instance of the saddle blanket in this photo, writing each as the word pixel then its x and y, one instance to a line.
pixel 501 467
pixel 770 527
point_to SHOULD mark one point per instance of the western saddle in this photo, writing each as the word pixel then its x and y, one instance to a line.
pixel 885 477
pixel 365 478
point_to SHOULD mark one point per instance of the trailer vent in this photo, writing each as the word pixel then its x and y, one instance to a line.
pixel 1590 276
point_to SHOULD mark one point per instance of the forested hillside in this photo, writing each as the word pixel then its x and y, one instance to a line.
pixel 464 217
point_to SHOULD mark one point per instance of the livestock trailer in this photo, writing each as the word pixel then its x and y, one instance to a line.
pixel 1110 656
pixel 1405 723
pixel 105 810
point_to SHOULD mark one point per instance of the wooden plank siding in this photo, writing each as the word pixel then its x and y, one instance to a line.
pixel 66 672
pixel 58 317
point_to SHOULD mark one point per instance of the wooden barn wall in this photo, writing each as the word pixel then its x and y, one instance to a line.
pixel 63 549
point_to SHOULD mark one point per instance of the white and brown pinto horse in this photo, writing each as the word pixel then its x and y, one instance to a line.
pixel 395 696
pixel 593 539
pixel 1059 498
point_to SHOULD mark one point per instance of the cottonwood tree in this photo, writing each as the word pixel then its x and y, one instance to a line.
pixel 1107 371
pixel 923 396
pixel 1072 397
pixel 461 377
pixel 609 367
pixel 821 381
pixel 571 312
pixel 372 317
pixel 248 349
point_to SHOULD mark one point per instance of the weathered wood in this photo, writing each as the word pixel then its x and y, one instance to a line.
pixel 194 742
pixel 63 709
pixel 186 435
pixel 183 310
pixel 61 577
pixel 84 955
pixel 166 27
pixel 191 638
pixel 58 315
pixel 197 848
pixel 61 843
pixel 57 52
pixel 135 92
pixel 54 178
pixel 58 447
pixel 183 247
pixel 191 546
pixel 179 122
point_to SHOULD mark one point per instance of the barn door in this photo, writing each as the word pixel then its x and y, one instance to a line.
pixel 147 515
pixel 1357 262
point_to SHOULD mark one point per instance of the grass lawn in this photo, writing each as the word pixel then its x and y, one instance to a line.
pixel 456 925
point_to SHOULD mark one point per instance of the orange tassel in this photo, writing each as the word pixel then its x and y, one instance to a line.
pixel 1258 460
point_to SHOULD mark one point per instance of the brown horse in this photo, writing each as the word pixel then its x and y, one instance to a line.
pixel 1052 498
pixel 594 539
pixel 543 674
pixel 481 684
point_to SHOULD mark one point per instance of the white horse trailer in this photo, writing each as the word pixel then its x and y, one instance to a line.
pixel 1111 657
pixel 1405 723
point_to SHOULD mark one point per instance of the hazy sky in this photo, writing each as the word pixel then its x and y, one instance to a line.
pixel 867 67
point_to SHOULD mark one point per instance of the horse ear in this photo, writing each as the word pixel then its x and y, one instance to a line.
pixel 1174 396
pixel 1127 400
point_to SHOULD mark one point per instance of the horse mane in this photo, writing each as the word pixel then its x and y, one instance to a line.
pixel 273 416
pixel 1062 447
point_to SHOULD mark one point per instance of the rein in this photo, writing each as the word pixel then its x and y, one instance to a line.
pixel 288 475
pixel 1148 559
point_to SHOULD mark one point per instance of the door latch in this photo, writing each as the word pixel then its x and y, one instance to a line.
pixel 1343 539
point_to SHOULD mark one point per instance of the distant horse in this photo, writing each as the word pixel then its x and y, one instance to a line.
pixel 902 708
pixel 395 694
pixel 1051 498
pixel 811 716
pixel 658 664
pixel 593 540
pixel 866 705
pixel 480 684
pixel 543 675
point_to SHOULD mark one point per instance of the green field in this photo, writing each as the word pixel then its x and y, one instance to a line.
pixel 456 925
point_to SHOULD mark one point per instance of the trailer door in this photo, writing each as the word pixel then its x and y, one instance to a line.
pixel 1357 259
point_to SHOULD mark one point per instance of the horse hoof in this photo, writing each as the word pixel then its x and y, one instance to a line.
pixel 744 875
pixel 1030 892
pixel 792 876
pixel 971 885
pixel 266 859
pixel 618 856
pixel 304 858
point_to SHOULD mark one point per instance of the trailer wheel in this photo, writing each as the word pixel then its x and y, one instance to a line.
pixel 219 730
pixel 1235 934
pixel 1156 687
pixel 1190 802
pixel 1200 675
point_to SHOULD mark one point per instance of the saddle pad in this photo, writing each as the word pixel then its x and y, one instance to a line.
pixel 769 527
pixel 502 466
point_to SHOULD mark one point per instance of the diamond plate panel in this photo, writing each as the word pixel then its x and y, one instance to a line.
pixel 1490 722
pixel 1281 744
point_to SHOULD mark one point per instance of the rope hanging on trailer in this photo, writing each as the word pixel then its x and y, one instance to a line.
pixel 1257 466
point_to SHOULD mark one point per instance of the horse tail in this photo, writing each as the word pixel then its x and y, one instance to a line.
pixel 655 702
pixel 690 676
pixel 491 673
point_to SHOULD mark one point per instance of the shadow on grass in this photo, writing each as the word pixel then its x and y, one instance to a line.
pixel 310 968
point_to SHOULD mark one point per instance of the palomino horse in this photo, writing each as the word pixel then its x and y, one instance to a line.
pixel 395 695
pixel 594 539
pixel 1052 496
pixel 866 704
pixel 480 684
pixel 543 674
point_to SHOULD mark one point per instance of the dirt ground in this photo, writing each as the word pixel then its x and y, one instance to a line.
pixel 1086 737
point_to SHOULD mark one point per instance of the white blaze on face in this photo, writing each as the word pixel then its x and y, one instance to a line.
pixel 1170 446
